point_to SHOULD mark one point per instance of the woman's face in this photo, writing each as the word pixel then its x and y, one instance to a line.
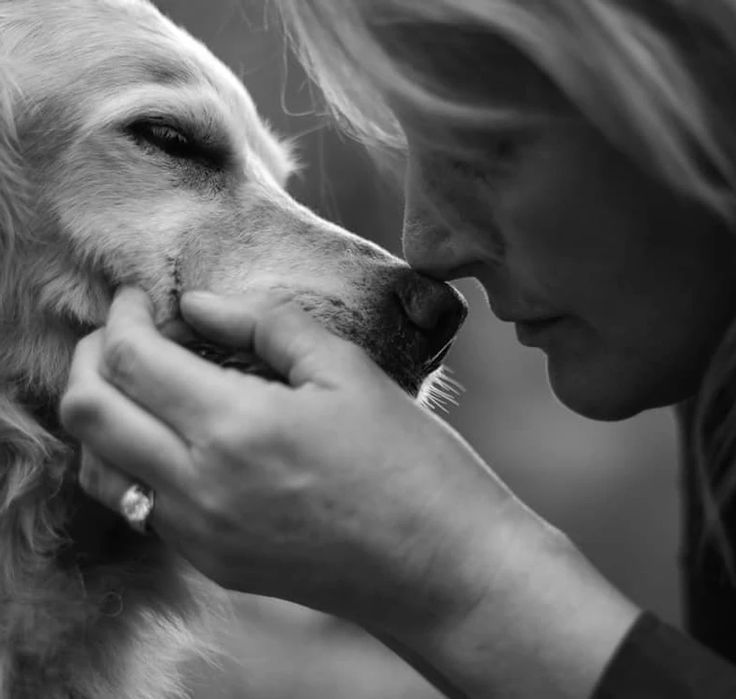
pixel 625 286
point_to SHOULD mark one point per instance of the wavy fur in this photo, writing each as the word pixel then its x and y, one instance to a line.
pixel 123 629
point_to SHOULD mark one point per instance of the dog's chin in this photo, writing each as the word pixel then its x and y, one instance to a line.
pixel 417 380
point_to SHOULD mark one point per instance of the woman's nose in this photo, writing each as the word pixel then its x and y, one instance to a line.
pixel 431 251
pixel 440 238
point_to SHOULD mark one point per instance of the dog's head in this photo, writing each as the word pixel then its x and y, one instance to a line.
pixel 143 160
pixel 129 154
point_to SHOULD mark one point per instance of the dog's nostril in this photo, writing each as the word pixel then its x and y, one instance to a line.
pixel 434 307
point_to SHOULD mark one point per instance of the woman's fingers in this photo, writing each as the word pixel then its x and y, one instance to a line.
pixel 112 425
pixel 103 482
pixel 171 382
pixel 229 320
pixel 107 484
pixel 287 338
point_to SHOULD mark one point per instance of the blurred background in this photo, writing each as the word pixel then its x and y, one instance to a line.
pixel 611 487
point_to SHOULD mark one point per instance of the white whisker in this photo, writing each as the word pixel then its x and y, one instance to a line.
pixel 440 390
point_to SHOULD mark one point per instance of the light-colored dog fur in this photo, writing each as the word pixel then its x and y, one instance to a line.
pixel 88 201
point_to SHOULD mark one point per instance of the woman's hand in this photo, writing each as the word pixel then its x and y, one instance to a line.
pixel 334 490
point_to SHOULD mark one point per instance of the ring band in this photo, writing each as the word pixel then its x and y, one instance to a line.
pixel 136 506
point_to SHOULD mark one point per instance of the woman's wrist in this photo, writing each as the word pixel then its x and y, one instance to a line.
pixel 533 617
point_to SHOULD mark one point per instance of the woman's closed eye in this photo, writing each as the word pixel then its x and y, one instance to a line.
pixel 503 149
pixel 496 157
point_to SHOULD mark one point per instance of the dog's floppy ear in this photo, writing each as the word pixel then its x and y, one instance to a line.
pixel 13 178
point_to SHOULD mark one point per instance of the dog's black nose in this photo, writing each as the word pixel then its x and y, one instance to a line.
pixel 435 309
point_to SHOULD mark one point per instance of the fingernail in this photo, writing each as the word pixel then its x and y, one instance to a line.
pixel 203 297
pixel 126 289
pixel 177 331
pixel 200 294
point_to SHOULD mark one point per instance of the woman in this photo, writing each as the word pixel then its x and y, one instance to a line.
pixel 578 159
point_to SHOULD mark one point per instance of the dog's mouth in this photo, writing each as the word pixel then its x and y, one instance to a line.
pixel 436 362
pixel 248 363
pixel 244 362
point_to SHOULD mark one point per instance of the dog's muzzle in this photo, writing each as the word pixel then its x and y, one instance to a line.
pixel 408 331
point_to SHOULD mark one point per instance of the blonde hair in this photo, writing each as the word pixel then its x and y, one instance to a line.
pixel 654 76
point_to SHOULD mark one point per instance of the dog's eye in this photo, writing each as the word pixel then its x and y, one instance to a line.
pixel 164 137
pixel 167 136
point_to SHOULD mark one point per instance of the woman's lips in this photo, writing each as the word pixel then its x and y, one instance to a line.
pixel 536 333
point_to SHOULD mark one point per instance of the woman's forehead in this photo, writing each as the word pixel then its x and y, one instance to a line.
pixel 470 64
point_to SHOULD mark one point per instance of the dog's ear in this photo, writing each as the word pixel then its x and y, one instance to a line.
pixel 13 177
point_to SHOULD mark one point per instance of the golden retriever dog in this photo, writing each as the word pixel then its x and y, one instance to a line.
pixel 129 154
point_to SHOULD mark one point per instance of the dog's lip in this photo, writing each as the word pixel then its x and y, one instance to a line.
pixel 176 330
pixel 228 358
pixel 436 362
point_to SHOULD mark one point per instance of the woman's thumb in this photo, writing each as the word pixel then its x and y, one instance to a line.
pixel 269 324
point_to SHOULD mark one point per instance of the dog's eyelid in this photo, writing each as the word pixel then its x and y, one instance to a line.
pixel 163 126
pixel 166 130
pixel 177 140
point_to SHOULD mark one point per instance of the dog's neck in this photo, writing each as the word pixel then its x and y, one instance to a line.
pixel 44 410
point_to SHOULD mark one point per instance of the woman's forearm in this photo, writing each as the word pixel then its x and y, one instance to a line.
pixel 547 625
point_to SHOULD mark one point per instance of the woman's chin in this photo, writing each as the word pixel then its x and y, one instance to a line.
pixel 596 409
pixel 607 397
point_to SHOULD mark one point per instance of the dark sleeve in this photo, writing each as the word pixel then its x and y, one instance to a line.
pixel 655 661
